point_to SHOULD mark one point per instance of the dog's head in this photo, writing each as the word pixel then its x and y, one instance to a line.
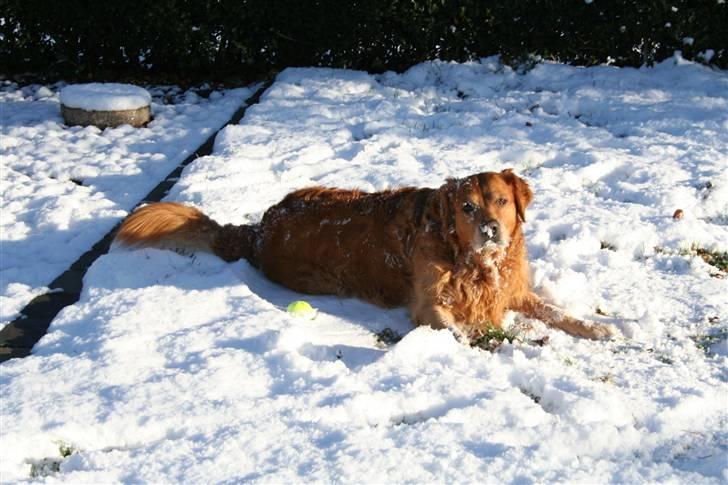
pixel 482 212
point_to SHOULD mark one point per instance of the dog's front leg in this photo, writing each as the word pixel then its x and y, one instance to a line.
pixel 439 317
pixel 533 306
pixel 426 307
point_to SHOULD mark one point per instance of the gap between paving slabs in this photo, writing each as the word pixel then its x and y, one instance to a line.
pixel 19 336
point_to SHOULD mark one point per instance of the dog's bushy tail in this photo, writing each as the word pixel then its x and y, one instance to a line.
pixel 176 226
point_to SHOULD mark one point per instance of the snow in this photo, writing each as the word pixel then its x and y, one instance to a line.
pixel 178 368
pixel 64 187
pixel 104 97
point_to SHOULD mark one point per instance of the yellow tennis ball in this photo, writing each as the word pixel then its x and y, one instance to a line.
pixel 300 308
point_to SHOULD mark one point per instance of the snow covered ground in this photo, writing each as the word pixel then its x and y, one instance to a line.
pixel 173 368
pixel 63 187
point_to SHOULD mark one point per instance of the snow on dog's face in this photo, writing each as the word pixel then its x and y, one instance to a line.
pixel 486 209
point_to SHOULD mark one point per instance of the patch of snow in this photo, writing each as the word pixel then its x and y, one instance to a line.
pixel 104 96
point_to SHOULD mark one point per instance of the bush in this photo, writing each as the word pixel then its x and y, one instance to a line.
pixel 180 40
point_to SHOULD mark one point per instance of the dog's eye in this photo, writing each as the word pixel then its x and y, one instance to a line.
pixel 468 207
pixel 501 202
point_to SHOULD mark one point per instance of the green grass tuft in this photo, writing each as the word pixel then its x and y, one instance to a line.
pixel 493 337
pixel 716 259
pixel 706 341
pixel 50 466
pixel 45 467
pixel 65 449
pixel 388 337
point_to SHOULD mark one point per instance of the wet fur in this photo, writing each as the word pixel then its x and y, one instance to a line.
pixel 408 247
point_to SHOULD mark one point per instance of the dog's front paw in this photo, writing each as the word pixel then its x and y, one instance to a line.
pixel 460 334
pixel 597 331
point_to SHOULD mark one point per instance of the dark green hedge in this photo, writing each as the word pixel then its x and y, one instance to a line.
pixel 219 39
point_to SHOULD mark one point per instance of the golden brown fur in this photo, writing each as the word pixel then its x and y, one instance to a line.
pixel 455 256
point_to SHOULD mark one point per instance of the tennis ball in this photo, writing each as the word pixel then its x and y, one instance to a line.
pixel 300 308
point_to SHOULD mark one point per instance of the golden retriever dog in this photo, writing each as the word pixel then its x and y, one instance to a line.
pixel 455 255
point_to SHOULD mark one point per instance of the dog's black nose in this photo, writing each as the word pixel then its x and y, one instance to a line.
pixel 490 229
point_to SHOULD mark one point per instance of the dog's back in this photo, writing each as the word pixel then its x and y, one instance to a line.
pixel 343 242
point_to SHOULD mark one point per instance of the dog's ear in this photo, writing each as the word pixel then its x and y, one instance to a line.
pixel 521 192
pixel 445 212
pixel 447 194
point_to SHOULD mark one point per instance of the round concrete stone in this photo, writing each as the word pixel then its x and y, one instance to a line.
pixel 105 105
pixel 103 119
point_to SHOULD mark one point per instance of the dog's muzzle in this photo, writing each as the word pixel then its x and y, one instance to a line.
pixel 490 231
pixel 490 236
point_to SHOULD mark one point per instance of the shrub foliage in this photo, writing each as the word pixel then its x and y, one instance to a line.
pixel 215 39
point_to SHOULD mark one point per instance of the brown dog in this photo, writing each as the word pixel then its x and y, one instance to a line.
pixel 454 255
